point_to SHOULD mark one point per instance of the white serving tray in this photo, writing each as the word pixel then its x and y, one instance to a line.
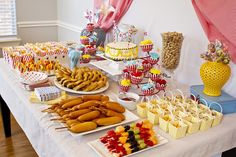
pixel 81 92
pixel 105 65
pixel 102 151
pixel 129 117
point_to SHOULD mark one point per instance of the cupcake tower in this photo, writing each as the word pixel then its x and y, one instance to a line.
pixel 125 140
pixel 88 38
pixel 179 116
pixel 136 73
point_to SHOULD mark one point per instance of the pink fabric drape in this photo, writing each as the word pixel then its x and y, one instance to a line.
pixel 120 6
pixel 218 19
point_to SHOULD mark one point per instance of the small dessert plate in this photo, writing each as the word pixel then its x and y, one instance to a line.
pixel 33 77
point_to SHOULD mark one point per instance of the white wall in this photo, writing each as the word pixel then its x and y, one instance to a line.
pixel 155 16
pixel 37 20
pixel 71 19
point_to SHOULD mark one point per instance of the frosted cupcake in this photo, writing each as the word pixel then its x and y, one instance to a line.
pixel 161 84
pixel 125 85
pixel 146 65
pixel 154 74
pixel 136 77
pixel 146 45
pixel 131 66
pixel 126 74
pixel 153 58
pixel 84 40
pixel 90 27
pixel 89 49
pixel 86 58
pixel 148 89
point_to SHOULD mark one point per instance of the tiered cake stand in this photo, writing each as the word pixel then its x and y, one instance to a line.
pixel 115 70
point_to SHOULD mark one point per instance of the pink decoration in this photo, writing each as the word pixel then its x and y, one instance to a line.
pixel 124 88
pixel 217 18
pixel 148 92
pixel 120 6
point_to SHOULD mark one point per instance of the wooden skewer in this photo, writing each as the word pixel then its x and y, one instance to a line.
pixel 61 128
pixel 46 110
pixel 56 119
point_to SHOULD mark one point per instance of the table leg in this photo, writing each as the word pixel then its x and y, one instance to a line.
pixel 229 153
pixel 6 117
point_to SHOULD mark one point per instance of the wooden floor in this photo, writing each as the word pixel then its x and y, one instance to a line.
pixel 16 146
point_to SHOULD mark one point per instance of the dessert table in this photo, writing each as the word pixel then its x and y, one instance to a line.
pixel 49 142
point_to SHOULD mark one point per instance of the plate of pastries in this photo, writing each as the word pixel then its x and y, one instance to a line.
pixel 89 113
pixel 81 80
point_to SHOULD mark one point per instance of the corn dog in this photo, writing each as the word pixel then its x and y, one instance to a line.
pixel 88 104
pixel 89 116
pixel 70 122
pixel 114 106
pixel 108 121
pixel 92 97
pixel 111 113
pixel 82 127
pixel 78 113
pixel 105 98
pixel 72 103
pixel 62 102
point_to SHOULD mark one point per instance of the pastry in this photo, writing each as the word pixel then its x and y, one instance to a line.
pixel 81 79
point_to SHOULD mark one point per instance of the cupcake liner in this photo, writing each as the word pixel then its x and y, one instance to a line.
pixel 131 67
pixel 84 41
pixel 124 88
pixel 90 51
pixel 148 92
pixel 160 86
pixel 126 75
pixel 147 67
pixel 147 48
pixel 154 77
pixel 136 80
pixel 86 60
pixel 152 61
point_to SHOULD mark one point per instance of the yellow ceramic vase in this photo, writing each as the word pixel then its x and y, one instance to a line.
pixel 214 75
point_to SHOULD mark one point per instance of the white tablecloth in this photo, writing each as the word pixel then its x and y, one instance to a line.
pixel 48 142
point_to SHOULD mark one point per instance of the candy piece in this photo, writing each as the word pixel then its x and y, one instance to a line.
pixel 142 145
pixel 127 127
pixel 137 137
pixel 123 140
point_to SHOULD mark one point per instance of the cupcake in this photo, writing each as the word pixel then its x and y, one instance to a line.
pixel 126 74
pixel 140 68
pixel 90 27
pixel 154 74
pixel 93 40
pixel 136 77
pixel 125 85
pixel 146 65
pixel 148 89
pixel 86 58
pixel 146 45
pixel 153 58
pixel 84 40
pixel 89 49
pixel 131 66
pixel 161 84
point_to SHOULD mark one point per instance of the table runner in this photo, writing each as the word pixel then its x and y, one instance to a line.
pixel 48 142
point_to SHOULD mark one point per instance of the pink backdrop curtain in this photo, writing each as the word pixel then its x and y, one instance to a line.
pixel 120 6
pixel 218 19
